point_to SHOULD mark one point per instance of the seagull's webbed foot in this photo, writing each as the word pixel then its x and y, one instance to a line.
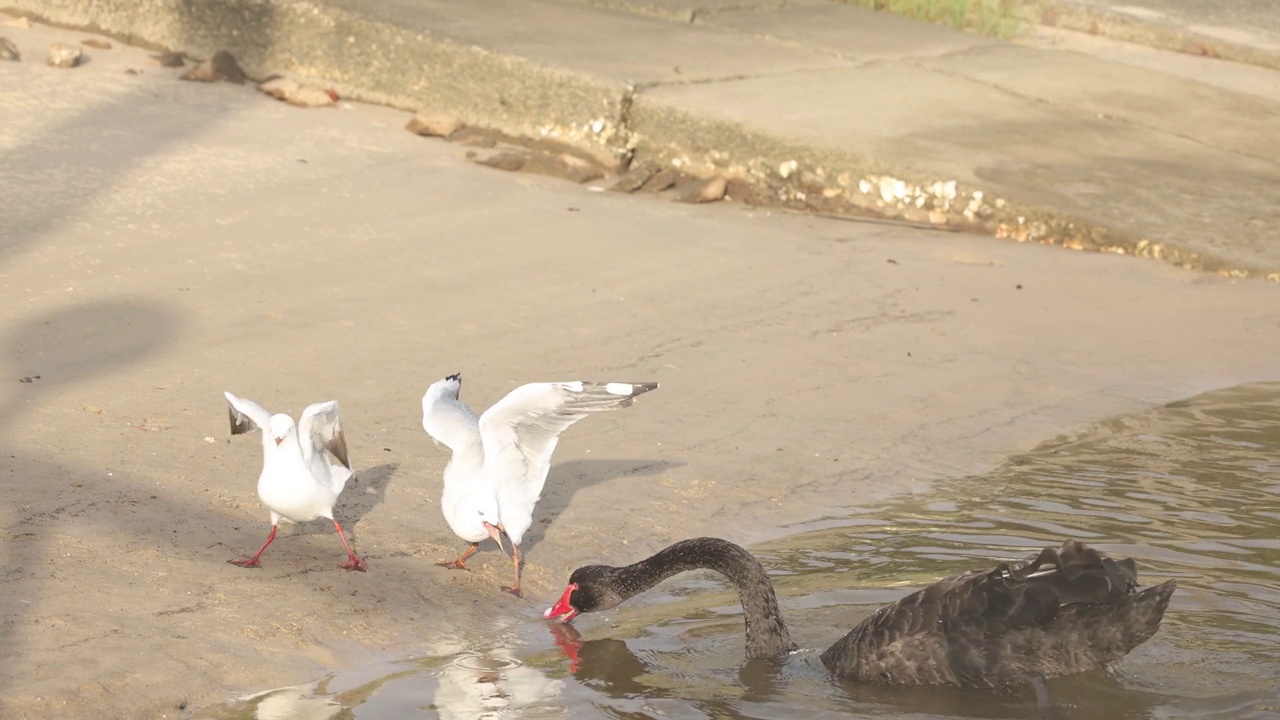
pixel 353 562
pixel 515 590
pixel 461 562
pixel 253 561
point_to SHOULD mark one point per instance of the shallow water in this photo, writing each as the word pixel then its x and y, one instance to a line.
pixel 1190 490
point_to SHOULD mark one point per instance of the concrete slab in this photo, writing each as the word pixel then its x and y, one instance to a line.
pixel 1245 22
pixel 691 10
pixel 1238 30
pixel 594 41
pixel 1085 87
pixel 875 111
pixel 848 31
pixel 1235 77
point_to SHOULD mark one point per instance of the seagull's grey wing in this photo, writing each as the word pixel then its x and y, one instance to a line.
pixel 320 427
pixel 246 415
pixel 521 431
pixel 447 419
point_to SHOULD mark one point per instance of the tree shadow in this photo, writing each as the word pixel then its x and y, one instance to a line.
pixel 63 347
pixel 56 177
pixel 77 342
pixel 567 478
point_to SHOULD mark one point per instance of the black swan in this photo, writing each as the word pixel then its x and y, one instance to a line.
pixel 1063 611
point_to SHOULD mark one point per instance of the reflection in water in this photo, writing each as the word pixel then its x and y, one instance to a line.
pixel 293 703
pixel 486 681
pixel 491 684
pixel 1190 490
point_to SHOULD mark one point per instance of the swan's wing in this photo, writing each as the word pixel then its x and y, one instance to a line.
pixel 319 427
pixel 447 419
pixel 521 431
pixel 246 415
pixel 1064 610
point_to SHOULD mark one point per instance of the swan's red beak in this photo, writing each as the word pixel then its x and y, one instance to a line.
pixel 563 610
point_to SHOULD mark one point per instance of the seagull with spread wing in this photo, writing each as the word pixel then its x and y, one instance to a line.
pixel 500 460
pixel 298 483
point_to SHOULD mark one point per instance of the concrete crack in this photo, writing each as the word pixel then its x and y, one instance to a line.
pixel 1102 115
pixel 734 78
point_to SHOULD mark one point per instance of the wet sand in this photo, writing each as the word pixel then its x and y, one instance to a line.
pixel 166 241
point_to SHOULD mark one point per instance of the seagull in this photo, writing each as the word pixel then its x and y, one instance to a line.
pixel 298 483
pixel 500 460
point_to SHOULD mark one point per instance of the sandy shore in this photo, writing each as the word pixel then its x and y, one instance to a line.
pixel 165 241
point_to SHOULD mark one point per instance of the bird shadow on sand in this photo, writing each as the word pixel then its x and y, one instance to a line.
pixel 567 478
pixel 362 494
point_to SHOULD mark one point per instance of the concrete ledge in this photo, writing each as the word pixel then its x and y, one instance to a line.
pixel 363 58
pixel 818 107
pixel 1130 28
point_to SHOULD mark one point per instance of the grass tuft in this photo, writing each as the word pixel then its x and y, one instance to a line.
pixel 998 18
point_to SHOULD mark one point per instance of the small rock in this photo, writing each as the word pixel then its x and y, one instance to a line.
pixel 703 191
pixel 633 179
pixel 296 93
pixel 474 137
pixel 64 56
pixel 565 166
pixel 220 67
pixel 581 166
pixel 168 59
pixel 19 22
pixel 433 124
pixel 661 180
pixel 9 51
pixel 509 161
pixel 96 43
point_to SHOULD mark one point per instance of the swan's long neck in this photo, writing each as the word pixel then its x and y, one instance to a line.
pixel 767 634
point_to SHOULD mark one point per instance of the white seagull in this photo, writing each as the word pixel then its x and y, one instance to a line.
pixel 298 483
pixel 500 461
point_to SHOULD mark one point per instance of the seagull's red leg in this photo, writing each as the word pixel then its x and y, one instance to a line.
pixel 460 563
pixel 353 562
pixel 253 561
pixel 515 559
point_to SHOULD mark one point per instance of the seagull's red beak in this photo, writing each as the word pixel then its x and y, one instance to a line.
pixel 495 532
pixel 563 610
pixel 279 440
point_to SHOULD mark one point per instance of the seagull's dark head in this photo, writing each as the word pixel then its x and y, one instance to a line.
pixel 280 427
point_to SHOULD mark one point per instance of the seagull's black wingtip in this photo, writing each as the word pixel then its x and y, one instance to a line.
pixel 456 377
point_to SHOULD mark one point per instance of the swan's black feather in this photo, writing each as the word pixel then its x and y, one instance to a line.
pixel 1062 611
